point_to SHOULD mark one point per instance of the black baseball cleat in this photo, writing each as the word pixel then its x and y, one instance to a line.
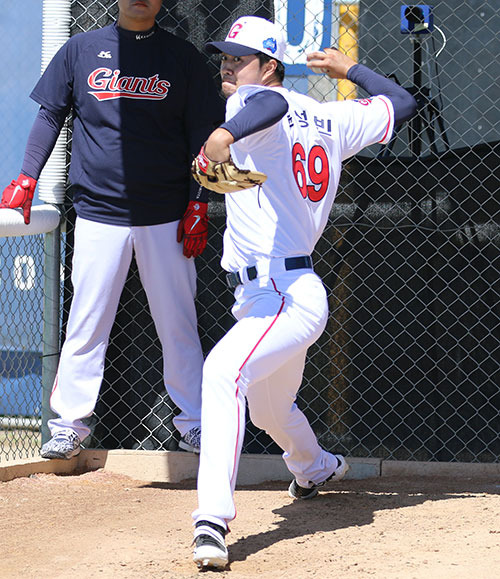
pixel 210 549
pixel 304 493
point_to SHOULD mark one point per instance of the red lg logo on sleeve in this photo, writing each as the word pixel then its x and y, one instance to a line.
pixel 234 30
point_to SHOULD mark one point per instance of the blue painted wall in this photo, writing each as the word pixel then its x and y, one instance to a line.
pixel 20 50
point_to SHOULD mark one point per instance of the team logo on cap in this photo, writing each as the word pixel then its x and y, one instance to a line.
pixel 270 44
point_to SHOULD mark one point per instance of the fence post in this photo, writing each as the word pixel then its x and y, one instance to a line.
pixel 51 318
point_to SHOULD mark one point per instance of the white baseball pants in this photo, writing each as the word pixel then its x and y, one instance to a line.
pixel 102 258
pixel 261 359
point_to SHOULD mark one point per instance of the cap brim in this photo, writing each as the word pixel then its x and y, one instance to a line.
pixel 229 48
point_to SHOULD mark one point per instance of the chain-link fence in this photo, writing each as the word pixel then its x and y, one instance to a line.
pixel 409 365
pixel 21 259
pixel 21 285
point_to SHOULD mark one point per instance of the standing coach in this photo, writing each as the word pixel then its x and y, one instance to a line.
pixel 142 103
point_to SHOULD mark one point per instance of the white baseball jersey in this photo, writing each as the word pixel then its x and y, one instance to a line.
pixel 280 313
pixel 287 215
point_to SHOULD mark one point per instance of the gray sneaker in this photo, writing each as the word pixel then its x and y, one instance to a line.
pixel 295 491
pixel 64 444
pixel 191 441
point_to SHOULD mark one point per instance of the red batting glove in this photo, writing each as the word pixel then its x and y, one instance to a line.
pixel 202 160
pixel 19 194
pixel 193 229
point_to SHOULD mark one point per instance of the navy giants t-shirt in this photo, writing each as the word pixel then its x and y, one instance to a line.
pixel 143 103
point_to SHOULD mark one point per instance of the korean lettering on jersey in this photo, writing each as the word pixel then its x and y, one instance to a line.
pixel 324 125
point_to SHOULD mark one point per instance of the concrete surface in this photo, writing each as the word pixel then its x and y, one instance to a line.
pixel 170 466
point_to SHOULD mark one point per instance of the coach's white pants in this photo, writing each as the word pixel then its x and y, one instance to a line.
pixel 261 359
pixel 102 258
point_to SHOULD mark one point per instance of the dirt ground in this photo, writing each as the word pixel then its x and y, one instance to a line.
pixel 101 524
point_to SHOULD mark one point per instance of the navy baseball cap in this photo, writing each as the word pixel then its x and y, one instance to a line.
pixel 249 35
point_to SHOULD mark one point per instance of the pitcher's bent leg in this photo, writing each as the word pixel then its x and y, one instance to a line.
pixel 272 408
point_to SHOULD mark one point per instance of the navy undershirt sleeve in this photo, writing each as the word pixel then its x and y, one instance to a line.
pixel 41 141
pixel 403 102
pixel 261 110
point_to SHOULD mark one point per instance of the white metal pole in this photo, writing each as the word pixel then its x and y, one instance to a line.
pixel 51 189
pixel 55 31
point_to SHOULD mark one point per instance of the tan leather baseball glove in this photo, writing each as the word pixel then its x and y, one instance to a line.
pixel 224 177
